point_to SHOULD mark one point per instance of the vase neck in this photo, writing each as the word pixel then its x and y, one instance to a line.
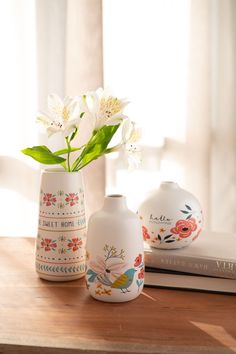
pixel 114 202
pixel 169 185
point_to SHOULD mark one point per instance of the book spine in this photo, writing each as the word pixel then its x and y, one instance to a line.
pixel 210 267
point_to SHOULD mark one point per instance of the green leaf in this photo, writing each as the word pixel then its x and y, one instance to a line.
pixel 63 164
pixel 185 211
pixel 91 275
pixel 66 150
pixel 43 154
pixel 96 146
pixel 168 236
pixel 73 135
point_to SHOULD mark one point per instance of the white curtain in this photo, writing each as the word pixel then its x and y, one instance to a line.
pixel 211 133
pixel 178 67
pixel 48 47
pixel 186 50
pixel 18 88
pixel 69 42
pixel 223 134
pixel 210 162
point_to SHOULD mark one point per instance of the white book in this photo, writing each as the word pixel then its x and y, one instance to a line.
pixel 190 282
pixel 212 254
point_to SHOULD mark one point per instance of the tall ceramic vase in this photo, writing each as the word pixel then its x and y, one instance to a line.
pixel 60 246
pixel 115 268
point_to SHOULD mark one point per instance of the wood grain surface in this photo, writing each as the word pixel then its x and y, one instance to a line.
pixel 37 316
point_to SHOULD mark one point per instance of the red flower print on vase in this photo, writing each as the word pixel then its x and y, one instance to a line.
pixel 184 228
pixel 49 199
pixel 146 235
pixel 141 274
pixel 74 244
pixel 48 244
pixel 138 260
pixel 72 199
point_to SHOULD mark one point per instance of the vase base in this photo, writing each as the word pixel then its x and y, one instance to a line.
pixel 61 278
pixel 114 300
pixel 169 246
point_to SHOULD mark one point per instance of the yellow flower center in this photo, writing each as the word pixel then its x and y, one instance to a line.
pixel 109 106
pixel 65 114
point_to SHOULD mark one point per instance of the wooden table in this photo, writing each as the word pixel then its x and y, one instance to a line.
pixel 37 316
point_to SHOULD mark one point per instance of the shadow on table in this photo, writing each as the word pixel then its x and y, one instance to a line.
pixel 157 318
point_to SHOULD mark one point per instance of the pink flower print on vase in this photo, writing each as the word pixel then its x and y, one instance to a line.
pixel 138 260
pixel 146 235
pixel 72 199
pixel 141 274
pixel 49 199
pixel 48 244
pixel 184 228
pixel 74 244
pixel 107 271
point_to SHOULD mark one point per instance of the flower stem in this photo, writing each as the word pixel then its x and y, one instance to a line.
pixel 68 154
pixel 115 148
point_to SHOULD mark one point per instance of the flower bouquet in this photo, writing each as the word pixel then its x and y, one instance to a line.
pixel 105 115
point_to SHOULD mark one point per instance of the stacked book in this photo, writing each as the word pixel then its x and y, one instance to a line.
pixel 208 264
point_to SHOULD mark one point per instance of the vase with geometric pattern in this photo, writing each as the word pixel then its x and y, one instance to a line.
pixel 60 244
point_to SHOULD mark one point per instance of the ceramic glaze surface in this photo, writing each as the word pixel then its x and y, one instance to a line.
pixel 171 217
pixel 115 268
pixel 60 245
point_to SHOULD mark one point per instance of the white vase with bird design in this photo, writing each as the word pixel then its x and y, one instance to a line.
pixel 115 267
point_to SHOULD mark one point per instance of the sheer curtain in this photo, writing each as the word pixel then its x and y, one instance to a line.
pixel 212 110
pixel 176 63
pixel 69 40
pixel 18 87
pixel 223 136
pixel 174 60
pixel 47 46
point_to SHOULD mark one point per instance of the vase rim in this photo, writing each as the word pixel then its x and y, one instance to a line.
pixel 57 170
pixel 114 202
pixel 115 196
pixel 169 184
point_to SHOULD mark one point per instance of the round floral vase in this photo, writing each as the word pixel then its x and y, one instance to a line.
pixel 60 245
pixel 171 217
pixel 115 268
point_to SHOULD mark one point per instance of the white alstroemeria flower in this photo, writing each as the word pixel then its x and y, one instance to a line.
pixel 63 115
pixel 103 108
pixel 130 135
pixel 130 132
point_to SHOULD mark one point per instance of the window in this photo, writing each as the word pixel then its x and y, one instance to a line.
pixel 146 56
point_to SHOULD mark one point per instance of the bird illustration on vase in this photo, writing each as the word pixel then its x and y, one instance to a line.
pixel 123 282
pixel 110 271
